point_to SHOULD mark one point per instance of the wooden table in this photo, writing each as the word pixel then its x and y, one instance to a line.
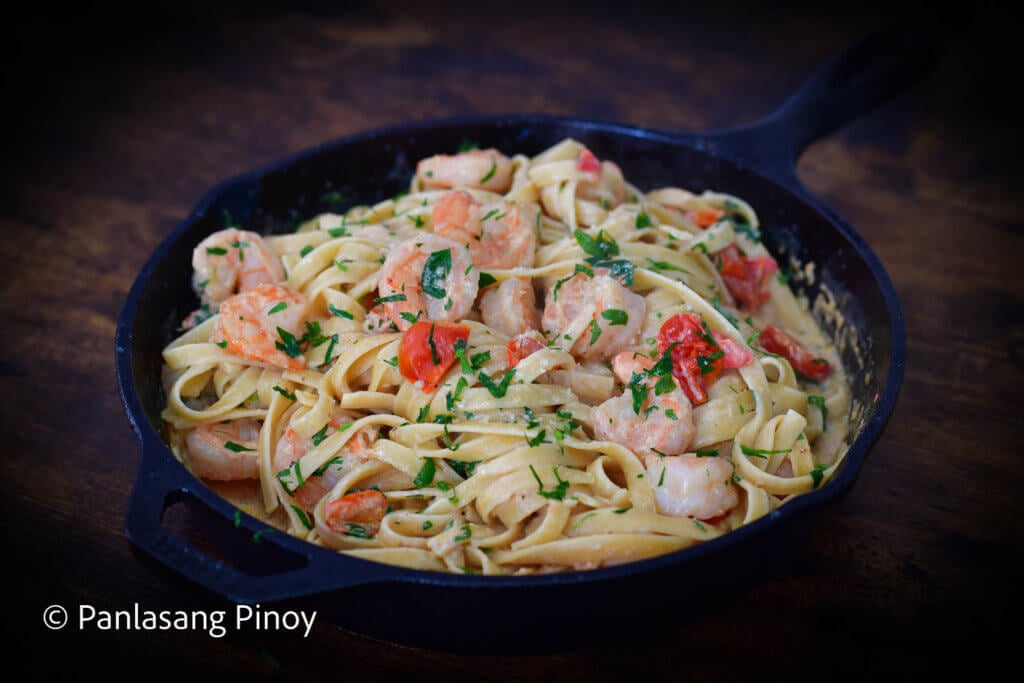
pixel 117 124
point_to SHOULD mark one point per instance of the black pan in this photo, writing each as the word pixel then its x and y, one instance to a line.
pixel 519 615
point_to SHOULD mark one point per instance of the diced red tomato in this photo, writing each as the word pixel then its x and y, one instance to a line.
pixel 428 350
pixel 746 278
pixel 716 351
pixel 588 163
pixel 735 355
pixel 705 218
pixel 522 346
pixel 774 340
pixel 363 508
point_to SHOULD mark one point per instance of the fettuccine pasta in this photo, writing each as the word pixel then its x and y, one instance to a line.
pixel 520 365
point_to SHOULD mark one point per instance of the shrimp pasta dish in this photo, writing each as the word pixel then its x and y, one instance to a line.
pixel 519 365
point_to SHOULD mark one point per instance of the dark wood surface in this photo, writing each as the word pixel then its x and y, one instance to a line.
pixel 116 124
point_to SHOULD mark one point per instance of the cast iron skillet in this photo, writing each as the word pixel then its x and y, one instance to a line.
pixel 519 615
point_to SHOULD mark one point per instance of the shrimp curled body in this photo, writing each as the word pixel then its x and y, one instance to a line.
pixel 224 451
pixel 427 275
pixel 593 317
pixel 231 261
pixel 692 486
pixel 251 325
pixel 662 423
pixel 485 169
pixel 495 234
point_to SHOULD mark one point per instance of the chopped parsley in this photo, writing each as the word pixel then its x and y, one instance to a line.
pixel 762 453
pixel 336 460
pixel 237 447
pixel 425 477
pixel 725 314
pixel 538 439
pixel 289 344
pixel 303 517
pixel 434 358
pixel 638 389
pixel 615 316
pixel 745 228
pixel 319 436
pixel 582 519
pixel 643 220
pixel 666 385
pixel 389 299
pixel 665 265
pixel 291 478
pixel 559 491
pixel 340 312
pixel 706 363
pixel 435 272
pixel 817 474
pixel 707 452
pixel 486 280
pixel 490 173
pixel 356 530
pixel 602 246
pixel 278 307
pixel 497 390
pixel 820 402
pixel 462 467
pixel 284 392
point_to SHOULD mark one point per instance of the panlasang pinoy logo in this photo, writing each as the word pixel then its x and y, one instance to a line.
pixel 214 623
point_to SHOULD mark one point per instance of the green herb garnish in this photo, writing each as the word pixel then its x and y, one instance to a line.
pixel 425 477
pixel 497 390
pixel 284 392
pixel 435 272
pixel 559 491
pixel 615 316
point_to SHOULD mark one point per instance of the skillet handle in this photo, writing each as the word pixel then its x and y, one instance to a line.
pixel 871 71
pixel 285 567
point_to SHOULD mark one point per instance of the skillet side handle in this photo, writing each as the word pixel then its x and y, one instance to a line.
pixel 162 481
pixel 866 74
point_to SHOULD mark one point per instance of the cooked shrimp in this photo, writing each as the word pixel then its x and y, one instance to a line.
pixel 511 307
pixel 291 447
pixel 263 325
pixel 233 261
pixel 691 486
pixel 495 233
pixel 224 451
pixel 486 169
pixel 592 317
pixel 427 275
pixel 378 321
pixel 663 423
pixel 363 509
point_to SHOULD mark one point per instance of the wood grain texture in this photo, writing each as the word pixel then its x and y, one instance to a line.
pixel 118 123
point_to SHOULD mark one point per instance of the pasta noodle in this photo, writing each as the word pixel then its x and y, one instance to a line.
pixel 520 365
